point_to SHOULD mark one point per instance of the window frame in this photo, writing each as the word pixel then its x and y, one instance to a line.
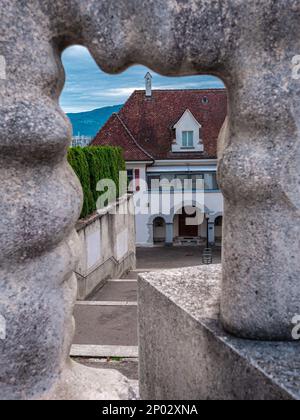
pixel 192 176
pixel 188 141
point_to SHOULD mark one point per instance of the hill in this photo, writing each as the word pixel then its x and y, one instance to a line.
pixel 89 123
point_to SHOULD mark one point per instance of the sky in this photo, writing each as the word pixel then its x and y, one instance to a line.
pixel 88 88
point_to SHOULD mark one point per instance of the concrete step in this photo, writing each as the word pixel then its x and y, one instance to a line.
pixel 106 325
pixel 121 280
pixel 84 350
pixel 123 291
pixel 105 303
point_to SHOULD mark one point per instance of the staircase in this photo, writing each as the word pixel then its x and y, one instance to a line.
pixel 188 241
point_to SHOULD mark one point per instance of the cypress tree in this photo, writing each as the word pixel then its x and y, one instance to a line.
pixel 93 164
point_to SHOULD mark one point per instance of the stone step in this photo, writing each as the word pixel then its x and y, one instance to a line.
pixel 114 291
pixel 121 280
pixel 103 351
pixel 105 303
pixel 106 325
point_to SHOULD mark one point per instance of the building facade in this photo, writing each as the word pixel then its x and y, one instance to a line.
pixel 81 141
pixel 169 138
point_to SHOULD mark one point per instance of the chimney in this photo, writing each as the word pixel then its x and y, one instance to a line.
pixel 148 79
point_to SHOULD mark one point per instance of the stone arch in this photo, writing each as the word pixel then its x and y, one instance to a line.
pixel 191 203
pixel 150 225
pixel 32 123
pixel 181 226
pixel 218 229
pixel 215 216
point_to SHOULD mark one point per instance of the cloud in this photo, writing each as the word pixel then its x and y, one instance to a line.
pixel 87 87
pixel 76 51
pixel 119 92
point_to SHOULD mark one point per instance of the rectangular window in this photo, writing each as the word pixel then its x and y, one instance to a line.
pixel 130 175
pixel 130 180
pixel 181 178
pixel 198 183
pixel 188 139
pixel 210 182
pixel 153 182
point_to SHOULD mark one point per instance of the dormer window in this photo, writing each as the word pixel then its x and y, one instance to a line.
pixel 188 139
pixel 188 134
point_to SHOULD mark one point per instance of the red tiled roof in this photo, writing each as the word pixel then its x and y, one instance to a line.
pixel 115 133
pixel 144 126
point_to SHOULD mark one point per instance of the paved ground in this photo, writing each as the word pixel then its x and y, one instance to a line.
pixel 172 257
pixel 109 318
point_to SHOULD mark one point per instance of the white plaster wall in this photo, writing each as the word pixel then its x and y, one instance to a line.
pixel 214 202
pixel 142 231
pixel 94 248
pixel 122 245
pixel 106 241
pixel 141 220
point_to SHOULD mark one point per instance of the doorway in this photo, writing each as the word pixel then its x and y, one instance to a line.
pixel 159 231
pixel 186 230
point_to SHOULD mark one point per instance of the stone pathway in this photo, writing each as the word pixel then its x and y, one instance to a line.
pixel 106 328
pixel 106 324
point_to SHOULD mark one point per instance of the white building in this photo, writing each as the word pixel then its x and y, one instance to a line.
pixel 81 141
pixel 172 135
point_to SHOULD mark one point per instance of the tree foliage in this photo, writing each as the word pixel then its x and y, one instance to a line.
pixel 93 164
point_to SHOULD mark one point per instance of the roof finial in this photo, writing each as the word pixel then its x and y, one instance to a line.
pixel 148 79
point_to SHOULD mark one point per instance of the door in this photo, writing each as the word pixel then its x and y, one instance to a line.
pixel 187 230
pixel 159 230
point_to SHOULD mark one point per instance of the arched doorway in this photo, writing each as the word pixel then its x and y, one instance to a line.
pixel 186 229
pixel 159 231
pixel 189 226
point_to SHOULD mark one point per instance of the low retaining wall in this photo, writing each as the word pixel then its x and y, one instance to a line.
pixel 186 355
pixel 108 246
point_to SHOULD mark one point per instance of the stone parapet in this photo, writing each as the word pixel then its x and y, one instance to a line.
pixel 186 355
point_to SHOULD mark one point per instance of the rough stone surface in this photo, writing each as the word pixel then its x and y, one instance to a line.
pixel 185 353
pixel 79 382
pixel 128 367
pixel 248 45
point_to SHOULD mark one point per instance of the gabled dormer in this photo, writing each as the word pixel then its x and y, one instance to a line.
pixel 188 138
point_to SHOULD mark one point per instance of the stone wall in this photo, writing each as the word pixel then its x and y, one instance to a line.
pixel 108 246
pixel 254 48
pixel 185 354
